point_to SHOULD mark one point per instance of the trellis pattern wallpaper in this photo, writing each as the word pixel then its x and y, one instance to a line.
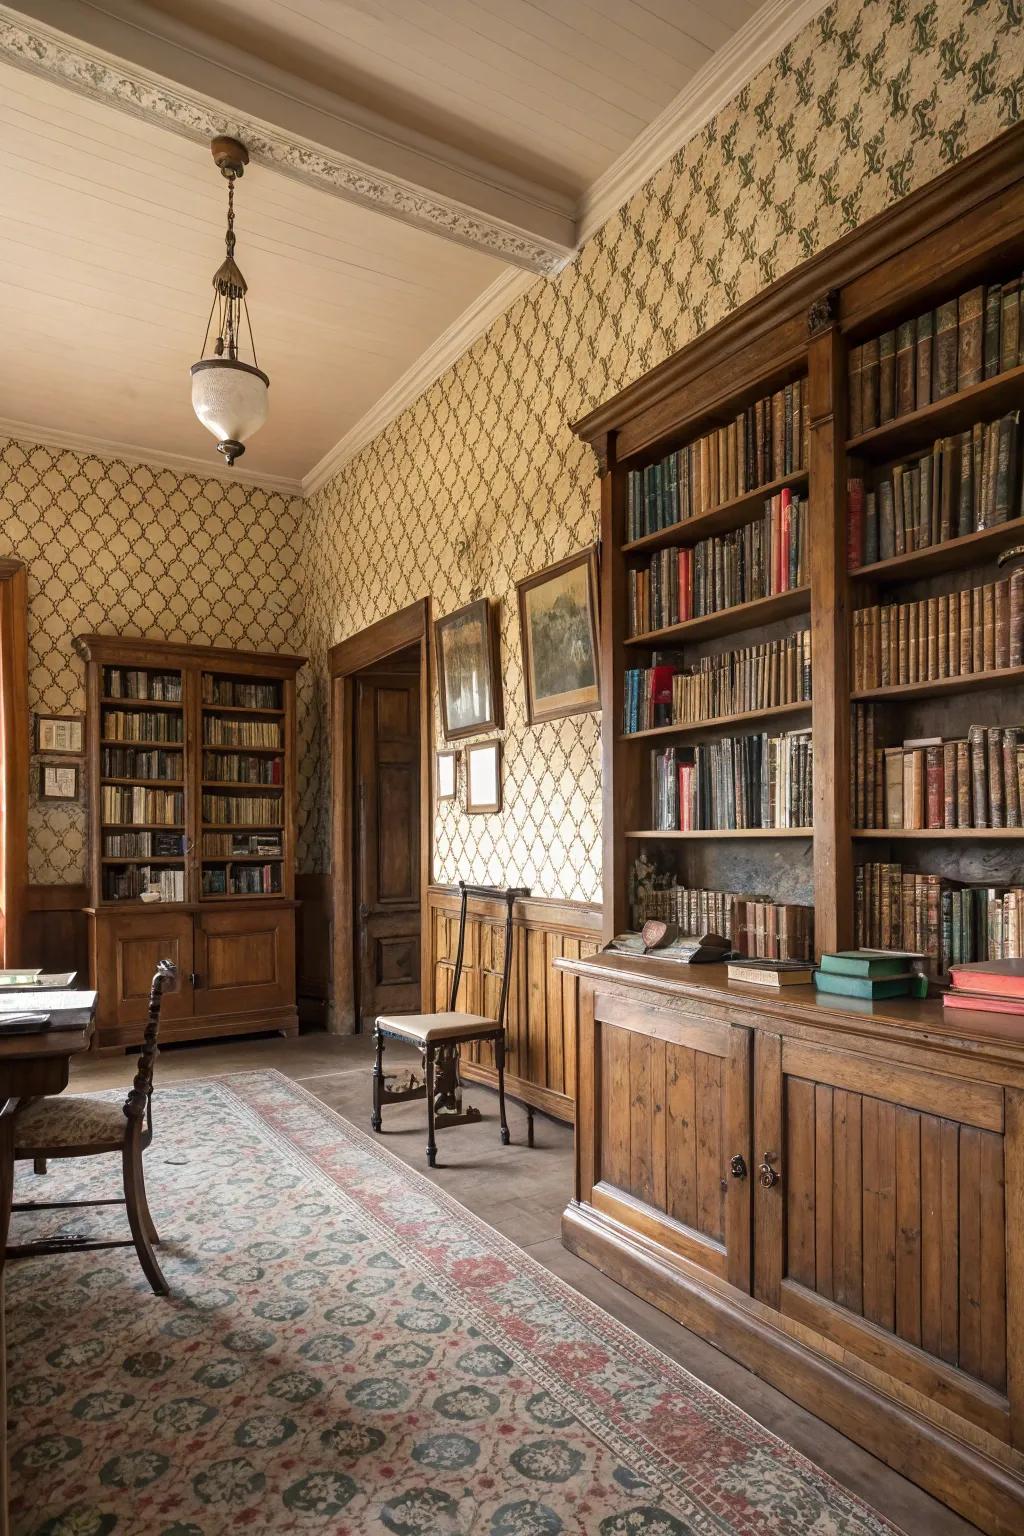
pixel 131 550
pixel 481 482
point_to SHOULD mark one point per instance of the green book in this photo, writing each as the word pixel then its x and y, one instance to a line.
pixel 868 962
pixel 864 986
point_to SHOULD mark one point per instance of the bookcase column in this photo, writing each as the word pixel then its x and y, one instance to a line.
pixel 620 764
pixel 830 624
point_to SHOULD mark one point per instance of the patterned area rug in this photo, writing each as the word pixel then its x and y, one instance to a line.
pixel 347 1350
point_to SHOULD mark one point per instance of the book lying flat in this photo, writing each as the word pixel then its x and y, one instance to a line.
pixel 41 979
pixel 771 973
pixel 983 1002
pixel 72 999
pixel 23 1023
pixel 872 963
pixel 19 978
pixel 865 986
pixel 1002 977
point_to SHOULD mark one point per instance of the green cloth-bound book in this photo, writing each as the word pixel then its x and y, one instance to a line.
pixel 864 986
pixel 869 963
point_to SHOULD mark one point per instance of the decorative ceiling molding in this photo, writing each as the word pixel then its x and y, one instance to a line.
pixel 711 89
pixel 756 43
pixel 42 50
pixel 30 435
pixel 445 351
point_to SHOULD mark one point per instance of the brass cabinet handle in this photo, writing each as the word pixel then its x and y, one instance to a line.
pixel 737 1167
pixel 766 1173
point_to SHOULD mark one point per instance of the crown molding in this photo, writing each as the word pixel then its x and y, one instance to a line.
pixel 29 435
pixel 730 67
pixel 428 367
pixel 711 89
pixel 32 45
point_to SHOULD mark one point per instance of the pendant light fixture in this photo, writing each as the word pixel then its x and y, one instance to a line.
pixel 228 395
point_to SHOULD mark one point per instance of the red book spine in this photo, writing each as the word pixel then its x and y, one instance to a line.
pixel 854 523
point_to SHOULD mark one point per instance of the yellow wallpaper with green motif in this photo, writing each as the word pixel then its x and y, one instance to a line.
pixel 481 481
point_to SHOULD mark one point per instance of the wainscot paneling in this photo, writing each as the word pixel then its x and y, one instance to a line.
pixel 56 931
pixel 540 1022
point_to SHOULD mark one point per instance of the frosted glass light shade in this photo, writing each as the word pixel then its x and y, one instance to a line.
pixel 230 399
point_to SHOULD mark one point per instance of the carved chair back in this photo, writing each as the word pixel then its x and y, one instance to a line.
pixel 139 1102
pixel 509 896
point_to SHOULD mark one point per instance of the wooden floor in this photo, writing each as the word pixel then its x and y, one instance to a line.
pixel 523 1193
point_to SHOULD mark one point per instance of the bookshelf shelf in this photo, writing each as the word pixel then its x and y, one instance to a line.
pixel 732 832
pixel 151 858
pixel 917 429
pixel 936 834
pixel 719 722
pixel 966 682
pixel 727 621
pixel 109 702
pixel 121 741
pixel 721 519
pixel 142 826
pixel 210 746
pixel 953 555
pixel 241 826
pixel 240 709
pixel 147 783
pixel 274 789
pixel 242 858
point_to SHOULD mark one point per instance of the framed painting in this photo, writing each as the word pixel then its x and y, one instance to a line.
pixel 466 650
pixel 61 735
pixel 558 627
pixel 483 777
pixel 447 775
pixel 58 781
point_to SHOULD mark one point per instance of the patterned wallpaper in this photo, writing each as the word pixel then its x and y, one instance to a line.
pixel 126 549
pixel 481 482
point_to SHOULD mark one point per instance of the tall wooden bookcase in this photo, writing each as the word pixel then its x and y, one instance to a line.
pixel 191 796
pixel 964 229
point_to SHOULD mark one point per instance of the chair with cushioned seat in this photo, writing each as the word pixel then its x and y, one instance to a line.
pixel 439 1035
pixel 83 1125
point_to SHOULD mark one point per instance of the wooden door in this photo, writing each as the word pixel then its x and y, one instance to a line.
pixel 669 1155
pixel 387 925
pixel 244 959
pixel 887 1230
pixel 128 946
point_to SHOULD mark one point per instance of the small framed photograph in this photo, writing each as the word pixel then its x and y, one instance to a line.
pixel 447 775
pixel 466 652
pixel 62 735
pixel 58 781
pixel 558 628
pixel 483 777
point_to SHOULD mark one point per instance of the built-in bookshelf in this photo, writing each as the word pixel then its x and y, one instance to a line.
pixel 812 627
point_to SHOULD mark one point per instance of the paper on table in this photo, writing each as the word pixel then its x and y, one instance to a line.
pixel 48 1002
pixel 44 979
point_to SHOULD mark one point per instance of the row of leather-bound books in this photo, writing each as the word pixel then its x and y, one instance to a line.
pixel 247 694
pixel 139 683
pixel 752 677
pixel 964 340
pixel 954 634
pixel 130 805
pixel 755 925
pixel 138 763
pixel 219 731
pixel 931 783
pixel 964 484
pixel 766 441
pixel 735 783
pixel 242 810
pixel 761 559
pixel 142 725
pixel 948 921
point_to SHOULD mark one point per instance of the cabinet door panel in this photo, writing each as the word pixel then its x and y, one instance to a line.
pixel 890 1222
pixel 245 960
pixel 674 1109
pixel 131 945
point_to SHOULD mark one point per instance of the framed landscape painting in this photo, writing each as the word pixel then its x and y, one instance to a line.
pixel 465 646
pixel 558 625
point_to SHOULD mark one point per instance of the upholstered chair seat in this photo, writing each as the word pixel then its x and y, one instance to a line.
pixel 69 1120
pixel 421 1027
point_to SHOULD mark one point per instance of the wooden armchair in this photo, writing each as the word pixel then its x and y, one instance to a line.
pixel 439 1036
pixel 85 1125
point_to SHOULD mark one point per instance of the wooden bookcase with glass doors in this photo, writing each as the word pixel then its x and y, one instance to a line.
pixel 191 760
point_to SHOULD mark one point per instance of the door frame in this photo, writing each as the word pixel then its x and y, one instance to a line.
pixel 398 632
pixel 14 742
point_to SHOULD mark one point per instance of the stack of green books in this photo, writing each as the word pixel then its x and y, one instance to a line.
pixel 871 973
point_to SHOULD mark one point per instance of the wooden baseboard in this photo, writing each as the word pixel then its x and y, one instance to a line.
pixel 558 1105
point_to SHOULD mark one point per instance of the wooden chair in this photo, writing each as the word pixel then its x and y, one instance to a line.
pixel 84 1125
pixel 440 1035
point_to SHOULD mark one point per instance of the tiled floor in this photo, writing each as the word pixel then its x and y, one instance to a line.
pixel 523 1193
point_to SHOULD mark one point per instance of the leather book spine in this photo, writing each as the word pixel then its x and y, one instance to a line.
pixel 934 787
pixel 979 776
pixel 1009 346
pixel 869 389
pixel 989 627
pixel 1002 623
pixel 886 377
pixel 949 785
pixel 945 351
pixel 992 331
pixel 855 395
pixel 1011 788
pixel 996 793
pixel 854 522
pixel 948 490
pixel 923 356
pixel 1017 617
pixel 970 337
pixel 964 782
pixel 906 370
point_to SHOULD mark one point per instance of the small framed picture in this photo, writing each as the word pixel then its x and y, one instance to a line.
pixel 63 735
pixel 558 628
pixel 483 777
pixel 466 652
pixel 58 781
pixel 447 775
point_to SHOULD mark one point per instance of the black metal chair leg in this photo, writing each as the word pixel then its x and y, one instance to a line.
pixel 431 1143
pixel 378 1080
pixel 499 1061
pixel 529 1125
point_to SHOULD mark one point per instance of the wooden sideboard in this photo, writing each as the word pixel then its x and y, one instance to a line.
pixel 832 1195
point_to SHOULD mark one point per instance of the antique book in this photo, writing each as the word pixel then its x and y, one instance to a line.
pixel 970 337
pixel 887 408
pixel 855 392
pixel 923 383
pixel 945 350
pixel 1009 349
pixel 869 385
pixel 992 330
pixel 905 368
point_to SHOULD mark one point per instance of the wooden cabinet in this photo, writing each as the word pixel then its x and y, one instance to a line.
pixel 866 1255
pixel 191 762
